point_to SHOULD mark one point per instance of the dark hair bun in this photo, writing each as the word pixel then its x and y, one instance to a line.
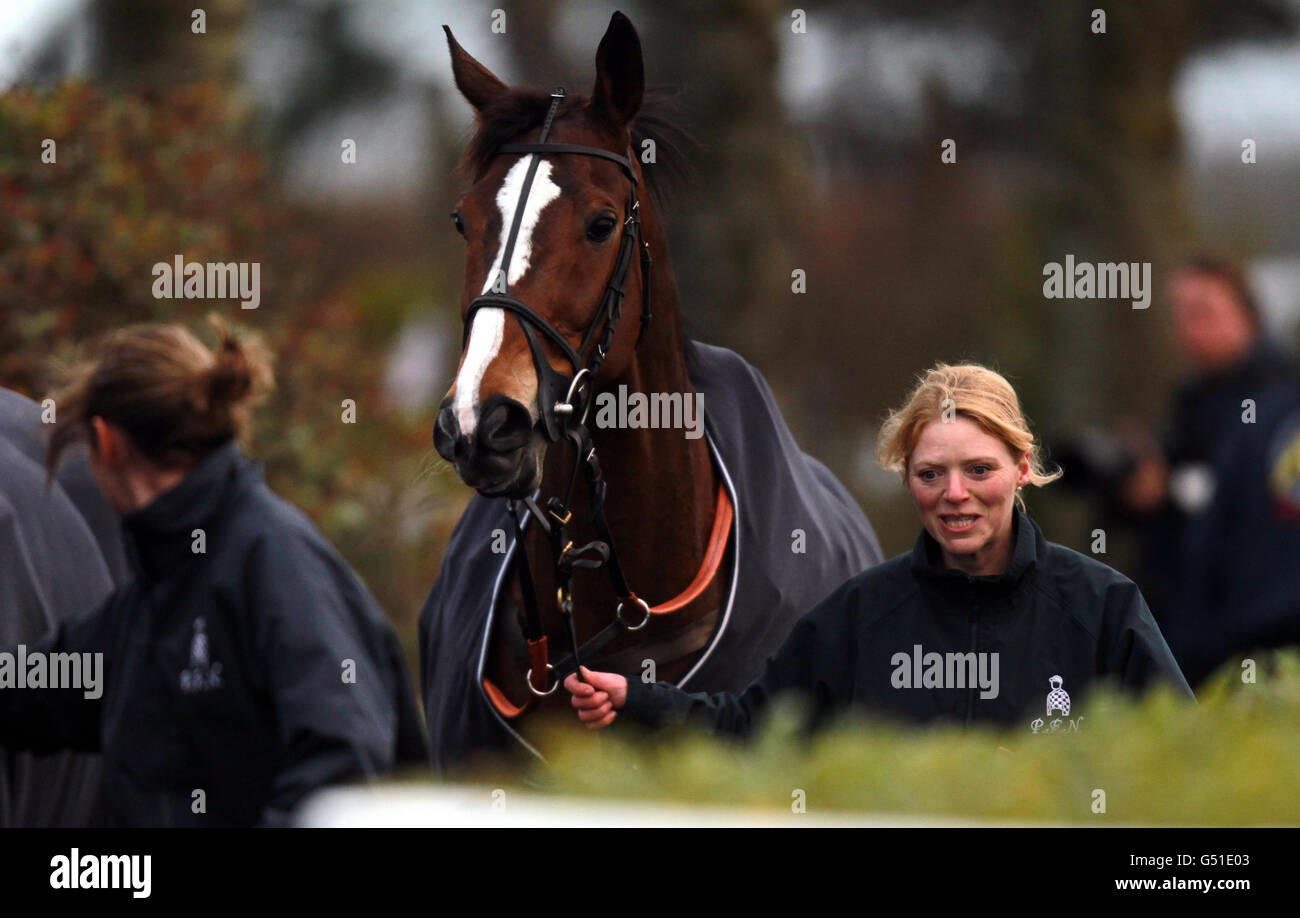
pixel 230 380
pixel 176 399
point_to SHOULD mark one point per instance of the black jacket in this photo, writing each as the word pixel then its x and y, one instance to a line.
pixel 235 681
pixel 1206 411
pixel 1056 620
pixel 50 571
pixel 1241 589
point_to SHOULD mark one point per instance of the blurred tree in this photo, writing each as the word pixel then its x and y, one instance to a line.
pixel 1072 146
pixel 1095 115
pixel 733 236
pixel 339 70
pixel 168 156
pixel 149 45
pixel 530 30
pixel 139 181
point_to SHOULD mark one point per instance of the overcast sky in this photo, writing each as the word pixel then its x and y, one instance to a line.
pixel 1239 91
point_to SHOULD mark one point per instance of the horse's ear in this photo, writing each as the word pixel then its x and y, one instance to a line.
pixel 620 74
pixel 476 83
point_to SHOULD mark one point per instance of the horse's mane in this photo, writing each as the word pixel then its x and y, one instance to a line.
pixel 519 110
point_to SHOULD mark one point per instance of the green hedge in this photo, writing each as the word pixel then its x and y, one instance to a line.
pixel 1231 759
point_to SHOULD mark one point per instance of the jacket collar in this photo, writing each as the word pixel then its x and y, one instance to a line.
pixel 159 535
pixel 927 559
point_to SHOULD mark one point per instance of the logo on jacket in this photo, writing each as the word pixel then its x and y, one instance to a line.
pixel 1058 702
pixel 1284 471
pixel 1058 699
pixel 201 675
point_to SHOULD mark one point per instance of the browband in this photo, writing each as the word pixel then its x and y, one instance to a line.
pixel 623 161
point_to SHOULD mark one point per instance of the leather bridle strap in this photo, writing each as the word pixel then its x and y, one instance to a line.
pixel 715 551
pixel 579 149
pixel 553 387
pixel 562 405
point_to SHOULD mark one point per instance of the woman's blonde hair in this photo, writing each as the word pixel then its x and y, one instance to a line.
pixel 176 399
pixel 963 390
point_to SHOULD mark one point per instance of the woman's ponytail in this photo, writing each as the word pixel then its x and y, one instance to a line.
pixel 239 376
pixel 176 399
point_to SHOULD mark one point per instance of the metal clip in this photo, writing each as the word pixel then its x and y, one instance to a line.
pixel 618 614
pixel 565 408
pixel 529 679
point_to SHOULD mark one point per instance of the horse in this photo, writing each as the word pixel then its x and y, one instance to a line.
pixel 730 533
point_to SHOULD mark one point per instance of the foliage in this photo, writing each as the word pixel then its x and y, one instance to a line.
pixel 1231 759
pixel 143 177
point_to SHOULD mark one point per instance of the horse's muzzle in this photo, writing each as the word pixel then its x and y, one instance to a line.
pixel 498 458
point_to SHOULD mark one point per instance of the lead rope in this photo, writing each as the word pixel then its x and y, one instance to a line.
pixel 594 555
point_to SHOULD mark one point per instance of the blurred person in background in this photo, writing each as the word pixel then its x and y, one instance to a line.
pixel 1240 590
pixel 1217 327
pixel 51 569
pixel 244 665
pixel 22 425
pixel 1161 485
pixel 981 588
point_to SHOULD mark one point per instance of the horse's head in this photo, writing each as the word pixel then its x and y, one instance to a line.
pixel 560 249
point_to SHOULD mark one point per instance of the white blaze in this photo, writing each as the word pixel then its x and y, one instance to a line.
pixel 489 324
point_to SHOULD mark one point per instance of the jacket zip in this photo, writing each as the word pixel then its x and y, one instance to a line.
pixel 970 689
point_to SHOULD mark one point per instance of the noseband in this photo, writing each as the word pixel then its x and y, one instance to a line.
pixel 562 400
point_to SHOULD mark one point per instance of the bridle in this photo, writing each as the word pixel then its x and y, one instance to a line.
pixel 563 402
pixel 556 393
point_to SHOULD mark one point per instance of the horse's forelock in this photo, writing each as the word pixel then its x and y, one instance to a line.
pixel 520 110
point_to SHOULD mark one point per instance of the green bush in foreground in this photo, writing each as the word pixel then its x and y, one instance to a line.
pixel 1231 759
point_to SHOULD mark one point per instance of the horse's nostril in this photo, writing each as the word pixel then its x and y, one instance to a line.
pixel 446 431
pixel 504 425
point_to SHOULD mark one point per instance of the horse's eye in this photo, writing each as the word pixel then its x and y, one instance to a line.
pixel 600 227
pixel 460 223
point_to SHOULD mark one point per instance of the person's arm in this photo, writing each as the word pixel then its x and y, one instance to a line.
pixel 817 659
pixel 1132 646
pixel 328 680
pixel 55 598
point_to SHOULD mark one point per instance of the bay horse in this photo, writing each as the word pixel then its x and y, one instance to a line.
pixel 630 548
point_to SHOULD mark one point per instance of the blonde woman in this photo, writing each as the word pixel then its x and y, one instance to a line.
pixel 984 620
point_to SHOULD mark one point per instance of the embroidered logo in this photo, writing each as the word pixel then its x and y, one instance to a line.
pixel 1058 701
pixel 201 675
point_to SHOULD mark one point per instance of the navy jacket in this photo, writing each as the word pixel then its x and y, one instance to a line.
pixel 236 680
pixel 1055 619
pixel 1241 589
pixel 1206 411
